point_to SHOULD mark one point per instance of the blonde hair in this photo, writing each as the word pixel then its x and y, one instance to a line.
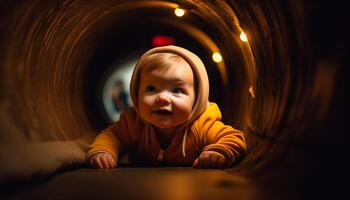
pixel 161 60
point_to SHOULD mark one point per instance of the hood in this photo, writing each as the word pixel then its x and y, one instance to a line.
pixel 198 68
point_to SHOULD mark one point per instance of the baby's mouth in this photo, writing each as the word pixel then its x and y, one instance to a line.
pixel 162 112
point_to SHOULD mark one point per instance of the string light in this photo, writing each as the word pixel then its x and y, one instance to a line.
pixel 217 57
pixel 243 37
pixel 179 12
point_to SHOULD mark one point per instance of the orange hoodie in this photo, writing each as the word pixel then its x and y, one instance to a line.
pixel 202 131
pixel 207 133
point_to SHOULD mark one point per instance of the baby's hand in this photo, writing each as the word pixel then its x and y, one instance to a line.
pixel 102 160
pixel 210 159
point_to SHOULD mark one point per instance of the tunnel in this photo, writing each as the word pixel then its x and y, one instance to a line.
pixel 284 85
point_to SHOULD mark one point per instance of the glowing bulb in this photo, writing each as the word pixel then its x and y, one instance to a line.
pixel 217 57
pixel 243 37
pixel 179 12
pixel 251 91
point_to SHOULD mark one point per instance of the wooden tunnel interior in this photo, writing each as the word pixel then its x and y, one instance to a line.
pixel 283 87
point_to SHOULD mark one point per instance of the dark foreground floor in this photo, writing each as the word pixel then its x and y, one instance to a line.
pixel 141 183
pixel 313 175
pixel 175 183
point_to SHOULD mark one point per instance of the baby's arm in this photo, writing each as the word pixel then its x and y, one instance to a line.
pixel 104 151
pixel 221 143
pixel 223 146
pixel 112 142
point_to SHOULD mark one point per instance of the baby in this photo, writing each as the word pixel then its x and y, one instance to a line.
pixel 172 121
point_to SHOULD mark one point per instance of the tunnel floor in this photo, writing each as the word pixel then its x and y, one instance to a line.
pixel 311 176
pixel 141 183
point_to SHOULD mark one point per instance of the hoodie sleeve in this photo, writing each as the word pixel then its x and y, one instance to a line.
pixel 216 136
pixel 116 138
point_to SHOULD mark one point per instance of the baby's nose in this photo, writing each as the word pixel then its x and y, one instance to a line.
pixel 163 98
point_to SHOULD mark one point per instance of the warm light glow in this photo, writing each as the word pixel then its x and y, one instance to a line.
pixel 179 12
pixel 251 91
pixel 243 37
pixel 217 57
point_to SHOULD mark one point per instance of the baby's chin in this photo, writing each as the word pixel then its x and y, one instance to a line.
pixel 166 126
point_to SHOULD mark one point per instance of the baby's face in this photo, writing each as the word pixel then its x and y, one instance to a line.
pixel 166 96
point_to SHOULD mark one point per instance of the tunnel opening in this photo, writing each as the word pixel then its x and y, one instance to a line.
pixel 115 87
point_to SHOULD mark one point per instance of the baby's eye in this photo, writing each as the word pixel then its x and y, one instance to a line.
pixel 150 88
pixel 178 90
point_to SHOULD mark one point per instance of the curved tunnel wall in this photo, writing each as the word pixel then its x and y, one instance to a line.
pixel 46 48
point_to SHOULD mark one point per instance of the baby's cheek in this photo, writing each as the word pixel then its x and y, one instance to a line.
pixel 148 100
pixel 144 103
pixel 186 107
